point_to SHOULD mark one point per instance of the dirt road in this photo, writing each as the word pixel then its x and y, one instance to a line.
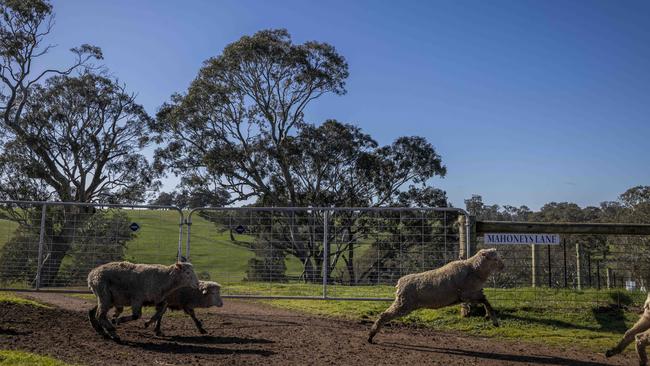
pixel 246 333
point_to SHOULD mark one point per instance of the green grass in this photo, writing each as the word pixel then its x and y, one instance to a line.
pixel 554 317
pixel 7 229
pixel 8 297
pixel 19 358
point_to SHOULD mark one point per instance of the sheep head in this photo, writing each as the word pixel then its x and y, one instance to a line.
pixel 489 260
pixel 211 292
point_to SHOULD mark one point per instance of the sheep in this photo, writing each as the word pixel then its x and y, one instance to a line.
pixel 186 299
pixel 639 332
pixel 127 284
pixel 456 282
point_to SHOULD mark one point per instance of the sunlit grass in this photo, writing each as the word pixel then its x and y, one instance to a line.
pixel 11 298
pixel 19 358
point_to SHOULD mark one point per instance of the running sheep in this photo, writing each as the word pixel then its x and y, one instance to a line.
pixel 454 283
pixel 122 284
pixel 186 299
pixel 640 333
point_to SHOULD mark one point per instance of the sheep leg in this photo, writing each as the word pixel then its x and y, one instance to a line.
pixel 136 313
pixel 197 322
pixel 102 317
pixel 489 311
pixel 161 308
pixel 116 314
pixel 640 326
pixel 396 310
pixel 642 341
pixel 92 317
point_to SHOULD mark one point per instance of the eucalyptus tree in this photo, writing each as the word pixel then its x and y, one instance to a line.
pixel 240 131
pixel 77 139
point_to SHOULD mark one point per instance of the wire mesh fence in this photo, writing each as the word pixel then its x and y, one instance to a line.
pixel 324 253
pixel 582 270
pixel 53 246
pixel 351 253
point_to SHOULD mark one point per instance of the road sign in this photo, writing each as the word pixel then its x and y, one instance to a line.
pixel 517 239
pixel 240 229
pixel 134 226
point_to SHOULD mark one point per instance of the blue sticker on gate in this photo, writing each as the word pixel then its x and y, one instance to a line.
pixel 134 226
pixel 240 229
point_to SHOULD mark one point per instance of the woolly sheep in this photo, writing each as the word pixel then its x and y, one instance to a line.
pixel 186 299
pixel 456 282
pixel 122 284
pixel 640 332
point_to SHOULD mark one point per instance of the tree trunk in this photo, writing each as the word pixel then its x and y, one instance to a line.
pixel 51 266
pixel 60 244
pixel 350 264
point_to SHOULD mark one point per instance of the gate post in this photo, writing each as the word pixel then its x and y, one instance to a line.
pixel 180 237
pixel 41 242
pixel 578 274
pixel 326 250
pixel 467 245
pixel 187 242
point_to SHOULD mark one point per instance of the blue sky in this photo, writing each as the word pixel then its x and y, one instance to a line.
pixel 527 101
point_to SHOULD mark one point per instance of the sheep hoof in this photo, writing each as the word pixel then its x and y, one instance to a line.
pixel 609 353
pixel 370 340
pixel 203 331
pixel 146 324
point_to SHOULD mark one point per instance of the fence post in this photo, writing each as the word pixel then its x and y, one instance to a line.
pixel 535 265
pixel 188 221
pixel 578 274
pixel 589 269
pixel 471 236
pixel 180 237
pixel 462 237
pixel 41 242
pixel 608 277
pixel 550 275
pixel 565 272
pixel 326 250
pixel 467 239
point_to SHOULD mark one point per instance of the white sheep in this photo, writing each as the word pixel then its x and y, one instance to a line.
pixel 639 332
pixel 456 282
pixel 122 284
pixel 186 299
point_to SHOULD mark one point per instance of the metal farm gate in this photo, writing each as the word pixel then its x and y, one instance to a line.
pixel 51 246
pixel 320 253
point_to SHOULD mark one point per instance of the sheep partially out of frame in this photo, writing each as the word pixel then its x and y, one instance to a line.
pixel 208 294
pixel 640 332
pixel 122 284
pixel 454 283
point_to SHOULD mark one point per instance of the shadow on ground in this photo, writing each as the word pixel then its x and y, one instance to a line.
pixel 177 348
pixel 542 360
pixel 218 340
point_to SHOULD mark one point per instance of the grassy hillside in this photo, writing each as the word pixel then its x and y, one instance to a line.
pixel 7 229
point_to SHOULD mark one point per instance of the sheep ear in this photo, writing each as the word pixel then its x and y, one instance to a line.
pixel 205 291
pixel 178 266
